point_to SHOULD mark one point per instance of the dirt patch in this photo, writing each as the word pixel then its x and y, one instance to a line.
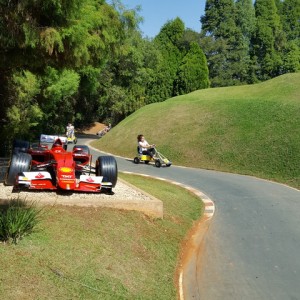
pixel 191 255
pixel 93 128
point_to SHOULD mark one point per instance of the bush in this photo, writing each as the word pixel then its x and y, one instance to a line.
pixel 18 219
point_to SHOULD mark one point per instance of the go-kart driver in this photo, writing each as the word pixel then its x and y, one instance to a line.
pixel 144 146
pixel 70 130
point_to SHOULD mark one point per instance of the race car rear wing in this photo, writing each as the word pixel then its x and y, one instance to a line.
pixel 45 138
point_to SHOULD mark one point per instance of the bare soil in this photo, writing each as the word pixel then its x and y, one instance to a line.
pixel 93 128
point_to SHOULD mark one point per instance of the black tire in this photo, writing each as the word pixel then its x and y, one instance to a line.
pixel 20 162
pixel 136 160
pixel 20 146
pixel 106 166
pixel 146 162
pixel 158 163
pixel 84 148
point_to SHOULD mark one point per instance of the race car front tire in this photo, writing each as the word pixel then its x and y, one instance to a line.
pixel 20 146
pixel 20 162
pixel 106 166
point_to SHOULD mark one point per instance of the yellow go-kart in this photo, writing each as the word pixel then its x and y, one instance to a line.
pixel 158 159
pixel 71 138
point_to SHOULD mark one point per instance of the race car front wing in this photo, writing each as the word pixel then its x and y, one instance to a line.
pixel 43 181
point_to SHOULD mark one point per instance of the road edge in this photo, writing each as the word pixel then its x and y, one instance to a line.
pixel 196 236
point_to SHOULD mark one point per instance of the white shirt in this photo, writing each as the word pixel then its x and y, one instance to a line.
pixel 143 145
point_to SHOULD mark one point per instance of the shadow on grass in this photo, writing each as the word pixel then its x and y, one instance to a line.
pixel 82 135
pixel 6 204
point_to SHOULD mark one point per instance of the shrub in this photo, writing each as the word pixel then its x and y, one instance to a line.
pixel 18 219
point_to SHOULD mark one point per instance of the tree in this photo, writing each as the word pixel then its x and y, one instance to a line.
pixel 245 18
pixel 268 40
pixel 58 43
pixel 290 16
pixel 60 88
pixel 23 111
pixel 224 44
pixel 168 42
pixel 193 71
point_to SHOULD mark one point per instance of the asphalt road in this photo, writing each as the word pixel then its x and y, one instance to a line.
pixel 252 248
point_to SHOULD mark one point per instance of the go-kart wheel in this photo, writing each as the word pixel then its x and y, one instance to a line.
pixel 168 165
pixel 158 163
pixel 20 162
pixel 146 162
pixel 106 166
pixel 136 160
pixel 75 141
pixel 20 146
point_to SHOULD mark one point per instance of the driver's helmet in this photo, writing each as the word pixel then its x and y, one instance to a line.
pixel 57 143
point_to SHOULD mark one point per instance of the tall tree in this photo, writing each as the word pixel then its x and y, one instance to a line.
pixel 168 42
pixel 193 71
pixel 245 18
pixel 290 17
pixel 268 40
pixel 224 44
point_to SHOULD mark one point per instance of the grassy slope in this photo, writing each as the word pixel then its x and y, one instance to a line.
pixel 98 253
pixel 252 129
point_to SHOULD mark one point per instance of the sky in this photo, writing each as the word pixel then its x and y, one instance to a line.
pixel 157 12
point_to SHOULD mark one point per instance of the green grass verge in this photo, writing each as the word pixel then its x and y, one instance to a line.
pixel 251 129
pixel 93 253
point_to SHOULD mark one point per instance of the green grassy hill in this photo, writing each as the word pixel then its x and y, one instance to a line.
pixel 253 129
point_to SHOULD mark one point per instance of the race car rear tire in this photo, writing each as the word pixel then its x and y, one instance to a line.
pixel 85 148
pixel 20 162
pixel 106 166
pixel 20 146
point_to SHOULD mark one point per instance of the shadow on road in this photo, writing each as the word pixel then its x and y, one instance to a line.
pixel 87 136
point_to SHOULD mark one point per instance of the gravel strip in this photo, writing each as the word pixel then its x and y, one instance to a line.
pixel 122 191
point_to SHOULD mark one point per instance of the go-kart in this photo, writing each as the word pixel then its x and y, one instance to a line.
pixel 158 158
pixel 71 138
pixel 40 167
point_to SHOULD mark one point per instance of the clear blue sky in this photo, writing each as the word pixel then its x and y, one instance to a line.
pixel 157 12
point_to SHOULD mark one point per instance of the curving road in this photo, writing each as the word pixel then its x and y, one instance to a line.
pixel 252 249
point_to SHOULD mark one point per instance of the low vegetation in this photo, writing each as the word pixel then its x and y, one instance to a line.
pixel 252 129
pixel 95 253
pixel 18 219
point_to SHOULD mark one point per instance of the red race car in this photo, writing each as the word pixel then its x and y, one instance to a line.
pixel 40 167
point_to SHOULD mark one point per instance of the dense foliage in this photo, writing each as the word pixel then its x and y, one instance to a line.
pixel 246 43
pixel 85 61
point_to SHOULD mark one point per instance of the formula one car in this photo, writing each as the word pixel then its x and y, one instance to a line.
pixel 40 167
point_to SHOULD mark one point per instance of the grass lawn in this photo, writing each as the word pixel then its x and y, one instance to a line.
pixel 251 129
pixel 93 253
